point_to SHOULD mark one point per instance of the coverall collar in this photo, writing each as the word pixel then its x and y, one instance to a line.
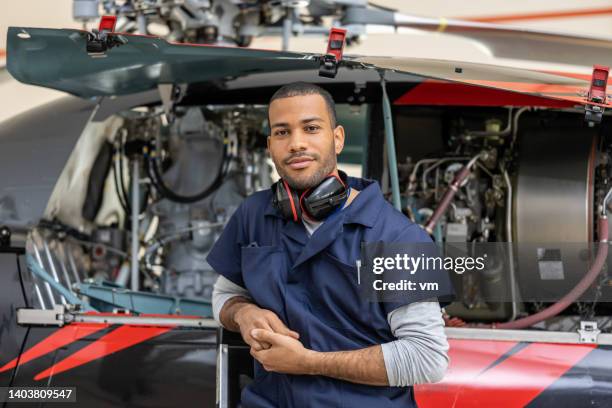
pixel 363 210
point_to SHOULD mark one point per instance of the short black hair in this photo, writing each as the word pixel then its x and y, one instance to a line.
pixel 305 88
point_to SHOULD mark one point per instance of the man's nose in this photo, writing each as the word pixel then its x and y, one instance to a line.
pixel 297 142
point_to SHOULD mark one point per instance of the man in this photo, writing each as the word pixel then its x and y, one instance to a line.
pixel 290 288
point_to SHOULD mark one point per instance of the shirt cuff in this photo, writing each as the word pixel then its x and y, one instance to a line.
pixel 389 356
pixel 223 290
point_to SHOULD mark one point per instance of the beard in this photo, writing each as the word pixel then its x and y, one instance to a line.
pixel 327 165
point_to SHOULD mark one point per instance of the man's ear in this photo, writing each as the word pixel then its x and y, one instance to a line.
pixel 339 139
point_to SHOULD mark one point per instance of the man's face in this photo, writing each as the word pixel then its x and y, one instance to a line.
pixel 302 143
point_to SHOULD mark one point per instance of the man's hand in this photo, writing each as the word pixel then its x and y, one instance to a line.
pixel 285 354
pixel 249 316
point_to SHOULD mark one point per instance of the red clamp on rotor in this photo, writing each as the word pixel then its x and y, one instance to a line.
pixel 335 49
pixel 107 24
pixel 99 41
pixel 597 94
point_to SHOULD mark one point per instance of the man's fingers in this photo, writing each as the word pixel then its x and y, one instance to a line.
pixel 257 345
pixel 279 327
pixel 255 354
pixel 258 354
pixel 266 327
pixel 265 336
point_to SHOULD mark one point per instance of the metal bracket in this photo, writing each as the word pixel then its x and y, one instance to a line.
pixel 108 297
pixel 171 94
pixel 41 317
pixel 101 40
pixel 358 96
pixel 5 236
pixel 593 114
pixel 328 67
pixel 588 332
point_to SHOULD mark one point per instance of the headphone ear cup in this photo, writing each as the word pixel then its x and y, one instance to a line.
pixel 324 199
pixel 286 201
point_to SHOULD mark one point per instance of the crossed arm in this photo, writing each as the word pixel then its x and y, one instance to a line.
pixel 419 356
pixel 278 349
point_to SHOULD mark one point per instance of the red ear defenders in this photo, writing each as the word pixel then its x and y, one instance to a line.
pixel 316 203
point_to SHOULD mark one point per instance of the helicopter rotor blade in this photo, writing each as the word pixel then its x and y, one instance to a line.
pixel 501 41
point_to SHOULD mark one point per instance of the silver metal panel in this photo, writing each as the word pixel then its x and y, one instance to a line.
pixel 532 336
pixel 177 321
pixel 60 315
pixel 553 202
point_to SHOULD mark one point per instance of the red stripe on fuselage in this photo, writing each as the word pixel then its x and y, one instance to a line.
pixel 119 339
pixel 60 338
pixel 512 383
pixel 468 358
pixel 520 378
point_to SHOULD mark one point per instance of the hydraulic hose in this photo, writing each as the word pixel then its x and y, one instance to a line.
pixel 159 184
pixel 576 292
pixel 450 194
pixel 120 182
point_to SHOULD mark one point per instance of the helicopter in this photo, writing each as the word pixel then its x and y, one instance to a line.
pixel 166 139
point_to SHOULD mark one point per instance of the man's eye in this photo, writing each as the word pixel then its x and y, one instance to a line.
pixel 312 128
pixel 280 133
